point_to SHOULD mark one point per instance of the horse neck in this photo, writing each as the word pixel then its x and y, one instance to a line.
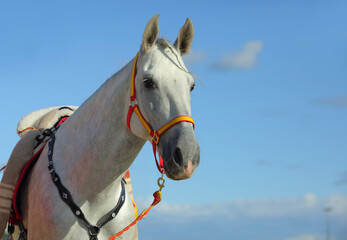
pixel 94 147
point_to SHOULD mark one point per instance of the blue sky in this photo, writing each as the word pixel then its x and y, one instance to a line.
pixel 270 118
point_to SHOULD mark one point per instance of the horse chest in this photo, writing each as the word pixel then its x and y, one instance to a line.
pixel 50 218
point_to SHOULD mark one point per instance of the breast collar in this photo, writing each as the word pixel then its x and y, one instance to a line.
pixel 65 195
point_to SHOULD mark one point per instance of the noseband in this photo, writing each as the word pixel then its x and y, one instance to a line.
pixel 155 134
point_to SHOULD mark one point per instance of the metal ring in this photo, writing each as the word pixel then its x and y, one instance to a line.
pixel 94 230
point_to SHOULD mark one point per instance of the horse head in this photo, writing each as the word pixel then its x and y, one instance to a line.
pixel 163 92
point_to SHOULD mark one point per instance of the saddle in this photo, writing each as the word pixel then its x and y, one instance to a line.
pixel 31 131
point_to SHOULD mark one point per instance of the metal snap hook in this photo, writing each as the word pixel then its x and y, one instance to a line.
pixel 161 182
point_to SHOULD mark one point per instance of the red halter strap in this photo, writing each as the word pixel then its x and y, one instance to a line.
pixel 133 107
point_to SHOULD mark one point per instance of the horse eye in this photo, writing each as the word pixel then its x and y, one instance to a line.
pixel 148 83
pixel 192 87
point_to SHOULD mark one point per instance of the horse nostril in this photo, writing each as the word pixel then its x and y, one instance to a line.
pixel 178 157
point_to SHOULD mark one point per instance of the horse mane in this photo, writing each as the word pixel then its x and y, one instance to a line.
pixel 163 43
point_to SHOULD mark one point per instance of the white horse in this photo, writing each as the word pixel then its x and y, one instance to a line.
pixel 94 147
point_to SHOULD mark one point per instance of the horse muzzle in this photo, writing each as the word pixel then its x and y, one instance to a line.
pixel 178 172
pixel 182 161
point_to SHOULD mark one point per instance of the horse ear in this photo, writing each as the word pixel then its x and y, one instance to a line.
pixel 185 37
pixel 150 34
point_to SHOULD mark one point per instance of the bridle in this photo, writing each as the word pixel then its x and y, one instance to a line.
pixel 155 134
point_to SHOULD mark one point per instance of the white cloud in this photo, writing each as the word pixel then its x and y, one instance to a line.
pixel 263 162
pixel 193 57
pixel 271 219
pixel 338 204
pixel 342 179
pixel 338 101
pixel 245 58
pixel 308 206
pixel 310 200
pixel 306 237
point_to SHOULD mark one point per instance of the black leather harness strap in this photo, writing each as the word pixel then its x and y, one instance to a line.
pixel 65 195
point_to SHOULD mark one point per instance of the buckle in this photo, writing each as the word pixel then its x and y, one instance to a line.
pixel 131 102
pixel 155 138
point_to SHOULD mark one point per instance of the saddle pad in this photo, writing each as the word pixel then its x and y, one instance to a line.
pixel 43 118
pixel 21 153
pixel 29 128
